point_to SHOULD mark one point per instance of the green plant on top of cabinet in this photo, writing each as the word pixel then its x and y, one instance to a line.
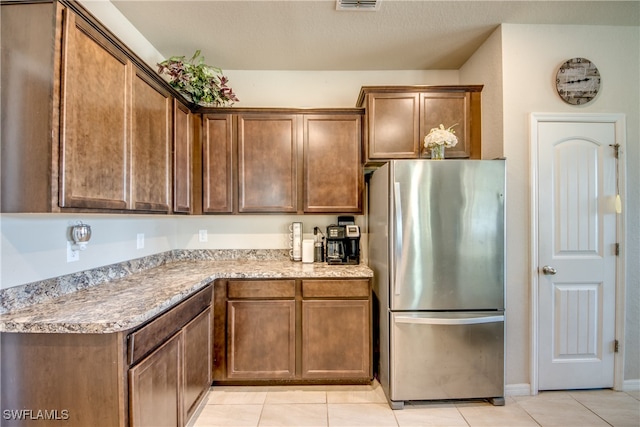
pixel 399 117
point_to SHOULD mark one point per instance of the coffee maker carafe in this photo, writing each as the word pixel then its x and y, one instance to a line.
pixel 343 244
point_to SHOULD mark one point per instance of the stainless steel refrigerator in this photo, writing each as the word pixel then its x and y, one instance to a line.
pixel 437 249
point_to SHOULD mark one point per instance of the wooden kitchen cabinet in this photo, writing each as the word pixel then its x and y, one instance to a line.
pixel 182 158
pixel 153 375
pixel 399 117
pixel 95 107
pixel 293 331
pixel 218 157
pixel 336 329
pixel 88 124
pixel 333 175
pixel 197 361
pixel 268 166
pixel 166 385
pixel 82 374
pixel 155 387
pixel 151 145
pixel 393 125
pixel 282 161
pixel 261 329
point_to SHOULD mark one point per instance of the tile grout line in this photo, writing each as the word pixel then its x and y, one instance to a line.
pixel 590 410
pixel 528 413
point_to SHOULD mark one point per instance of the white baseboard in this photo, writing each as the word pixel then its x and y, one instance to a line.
pixel 631 385
pixel 517 390
pixel 525 389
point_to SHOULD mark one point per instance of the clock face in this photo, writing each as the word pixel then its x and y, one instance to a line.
pixel 578 81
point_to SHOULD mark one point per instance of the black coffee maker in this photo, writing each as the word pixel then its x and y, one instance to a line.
pixel 343 242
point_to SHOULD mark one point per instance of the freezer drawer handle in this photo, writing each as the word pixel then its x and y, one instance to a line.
pixel 449 321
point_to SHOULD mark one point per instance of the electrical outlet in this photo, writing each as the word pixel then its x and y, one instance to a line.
pixel 203 236
pixel 140 241
pixel 72 255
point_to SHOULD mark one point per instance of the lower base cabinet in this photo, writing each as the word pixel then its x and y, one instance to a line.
pixel 292 331
pixel 153 376
pixel 154 384
pixel 335 339
pixel 197 361
pixel 165 387
pixel 261 339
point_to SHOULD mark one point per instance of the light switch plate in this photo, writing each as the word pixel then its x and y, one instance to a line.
pixel 203 236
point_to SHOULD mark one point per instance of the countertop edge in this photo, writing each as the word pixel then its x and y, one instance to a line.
pixel 26 320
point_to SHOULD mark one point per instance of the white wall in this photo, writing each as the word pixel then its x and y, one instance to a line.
pixel 485 67
pixel 531 56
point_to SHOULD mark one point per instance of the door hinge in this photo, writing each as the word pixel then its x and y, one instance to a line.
pixel 616 346
pixel 616 150
pixel 617 249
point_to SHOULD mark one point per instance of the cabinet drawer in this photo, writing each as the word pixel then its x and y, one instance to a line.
pixel 261 289
pixel 335 289
pixel 150 336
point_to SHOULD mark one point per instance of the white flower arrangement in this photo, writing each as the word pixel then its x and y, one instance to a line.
pixel 441 136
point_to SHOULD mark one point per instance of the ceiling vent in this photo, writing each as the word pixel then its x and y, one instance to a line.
pixel 358 5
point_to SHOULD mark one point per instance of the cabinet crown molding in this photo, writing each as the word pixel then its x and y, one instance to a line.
pixel 414 88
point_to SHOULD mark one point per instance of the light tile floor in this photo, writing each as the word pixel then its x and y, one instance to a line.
pixel 352 406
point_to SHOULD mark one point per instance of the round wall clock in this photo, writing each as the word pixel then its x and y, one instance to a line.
pixel 578 81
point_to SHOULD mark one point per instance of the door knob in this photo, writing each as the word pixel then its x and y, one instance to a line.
pixel 548 270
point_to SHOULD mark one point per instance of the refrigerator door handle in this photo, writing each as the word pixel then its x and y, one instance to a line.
pixel 449 321
pixel 397 229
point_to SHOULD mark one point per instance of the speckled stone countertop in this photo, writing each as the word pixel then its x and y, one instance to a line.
pixel 124 303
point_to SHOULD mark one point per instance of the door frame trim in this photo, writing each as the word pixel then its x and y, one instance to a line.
pixel 618 120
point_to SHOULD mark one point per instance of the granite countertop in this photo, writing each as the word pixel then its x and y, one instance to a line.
pixel 125 303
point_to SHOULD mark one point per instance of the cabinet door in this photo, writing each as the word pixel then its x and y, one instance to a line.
pixel 336 339
pixel 154 387
pixel 95 108
pixel 268 163
pixel 332 168
pixel 197 360
pixel 393 126
pixel 217 169
pixel 182 158
pixel 151 140
pixel 261 339
pixel 448 109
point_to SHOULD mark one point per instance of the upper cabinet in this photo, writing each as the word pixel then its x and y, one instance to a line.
pixel 89 128
pixel 151 146
pixel 218 157
pixel 182 159
pixel 399 117
pixel 333 175
pixel 268 162
pixel 282 161
pixel 95 107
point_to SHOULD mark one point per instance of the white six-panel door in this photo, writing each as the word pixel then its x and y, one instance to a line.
pixel 576 227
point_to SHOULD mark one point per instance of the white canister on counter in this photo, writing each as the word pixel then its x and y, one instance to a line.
pixel 307 250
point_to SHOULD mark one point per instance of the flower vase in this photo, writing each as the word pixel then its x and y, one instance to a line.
pixel 437 152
